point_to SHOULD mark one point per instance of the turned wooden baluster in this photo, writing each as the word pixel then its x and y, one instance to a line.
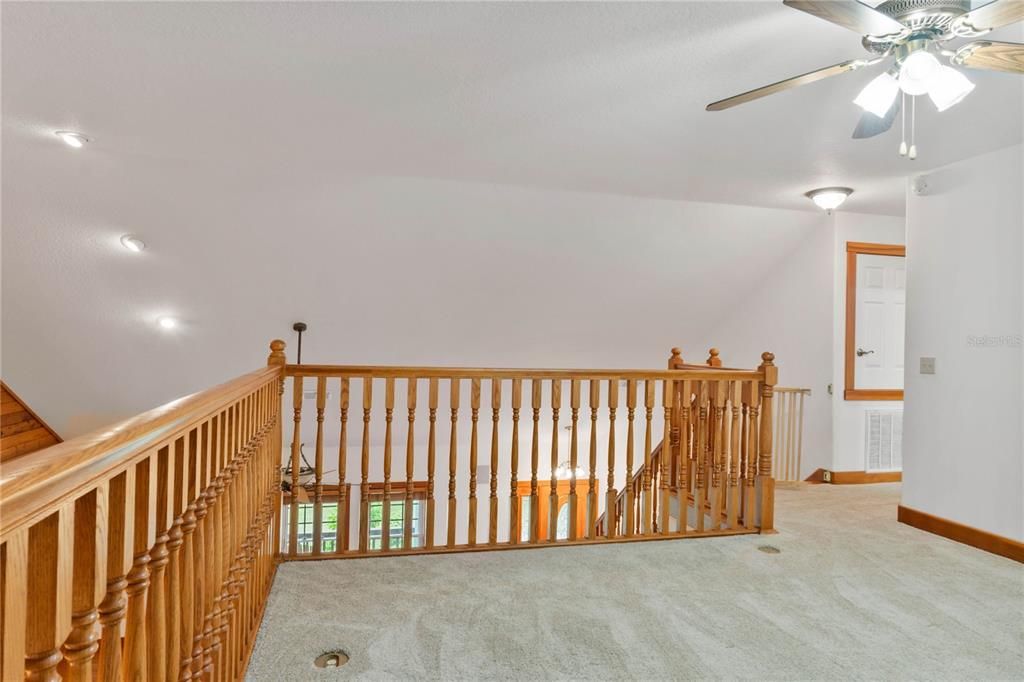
pixel 409 462
pixel 364 486
pixel 574 406
pixel 135 646
pixel 734 455
pixel 536 386
pixel 293 516
pixel 210 540
pixel 156 604
pixel 193 568
pixel 341 533
pixel 753 398
pixel 667 400
pixel 474 405
pixel 385 516
pixel 649 414
pixel 701 496
pixel 717 479
pixel 13 604
pixel 49 591
pixel 318 466
pixel 556 405
pixel 453 460
pixel 594 401
pixel 630 446
pixel 764 469
pixel 114 607
pixel 431 460
pixel 174 566
pixel 610 520
pixel 88 582
pixel 682 411
pixel 513 502
pixel 492 527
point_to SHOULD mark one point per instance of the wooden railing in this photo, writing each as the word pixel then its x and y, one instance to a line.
pixel 378 489
pixel 145 551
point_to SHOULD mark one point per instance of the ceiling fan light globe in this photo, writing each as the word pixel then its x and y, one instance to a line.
pixel 949 88
pixel 878 96
pixel 918 72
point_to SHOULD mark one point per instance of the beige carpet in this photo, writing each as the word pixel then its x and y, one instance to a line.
pixel 852 595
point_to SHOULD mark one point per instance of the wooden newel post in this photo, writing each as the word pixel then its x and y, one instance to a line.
pixel 713 359
pixel 675 361
pixel 277 359
pixel 765 482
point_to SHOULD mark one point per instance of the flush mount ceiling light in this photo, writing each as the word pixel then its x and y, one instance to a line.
pixel 914 36
pixel 133 243
pixel 829 198
pixel 71 139
pixel 167 322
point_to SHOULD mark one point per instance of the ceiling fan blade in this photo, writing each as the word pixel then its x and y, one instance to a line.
pixel 789 83
pixel 870 125
pixel 850 14
pixel 993 15
pixel 989 54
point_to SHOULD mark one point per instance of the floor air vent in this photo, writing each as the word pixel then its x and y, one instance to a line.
pixel 884 441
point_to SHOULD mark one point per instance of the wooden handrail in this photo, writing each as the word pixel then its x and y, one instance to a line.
pixel 697 372
pixel 145 550
pixel 32 485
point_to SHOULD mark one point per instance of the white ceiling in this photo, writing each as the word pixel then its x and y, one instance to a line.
pixel 595 97
pixel 236 139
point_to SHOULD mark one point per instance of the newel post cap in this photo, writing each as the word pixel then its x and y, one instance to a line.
pixel 771 372
pixel 676 360
pixel 276 356
pixel 713 359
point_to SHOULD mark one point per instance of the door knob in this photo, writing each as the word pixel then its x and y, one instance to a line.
pixel 861 352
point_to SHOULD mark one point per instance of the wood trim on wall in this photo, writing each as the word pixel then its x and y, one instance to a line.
pixel 958 532
pixel 850 391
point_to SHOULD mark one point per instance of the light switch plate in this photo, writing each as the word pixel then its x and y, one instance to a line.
pixel 927 365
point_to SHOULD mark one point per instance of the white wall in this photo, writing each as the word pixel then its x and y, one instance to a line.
pixel 791 310
pixel 848 415
pixel 963 449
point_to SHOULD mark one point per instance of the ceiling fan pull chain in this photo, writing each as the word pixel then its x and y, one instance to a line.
pixel 913 129
pixel 903 124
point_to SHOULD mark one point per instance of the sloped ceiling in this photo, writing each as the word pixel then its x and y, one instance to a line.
pixel 302 160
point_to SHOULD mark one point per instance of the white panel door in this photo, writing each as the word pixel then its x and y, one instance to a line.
pixel 881 308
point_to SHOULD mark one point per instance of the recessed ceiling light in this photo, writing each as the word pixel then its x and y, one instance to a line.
pixel 829 198
pixel 76 140
pixel 167 322
pixel 132 243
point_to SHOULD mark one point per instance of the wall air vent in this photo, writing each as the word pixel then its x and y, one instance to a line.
pixel 883 442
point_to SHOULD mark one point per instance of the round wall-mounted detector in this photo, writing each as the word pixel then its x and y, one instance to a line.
pixel 72 139
pixel 132 243
pixel 919 185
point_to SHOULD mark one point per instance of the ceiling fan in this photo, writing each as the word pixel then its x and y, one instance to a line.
pixel 914 33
